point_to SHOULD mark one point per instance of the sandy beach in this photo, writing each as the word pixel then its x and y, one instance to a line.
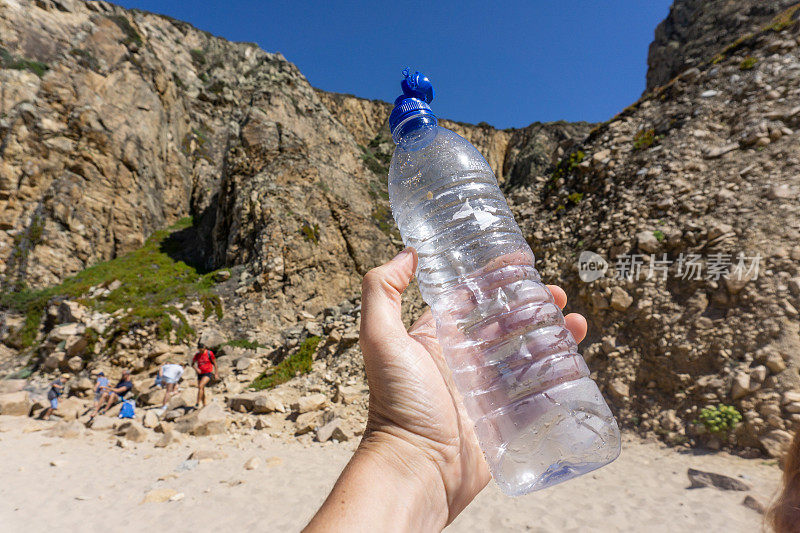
pixel 91 484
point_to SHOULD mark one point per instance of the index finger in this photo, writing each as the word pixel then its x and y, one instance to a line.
pixel 559 296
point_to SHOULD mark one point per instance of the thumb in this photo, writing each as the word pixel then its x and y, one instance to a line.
pixel 381 292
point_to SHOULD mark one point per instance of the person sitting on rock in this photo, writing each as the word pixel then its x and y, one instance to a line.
pixel 112 395
pixel 206 365
pixel 56 389
pixel 169 375
pixel 100 384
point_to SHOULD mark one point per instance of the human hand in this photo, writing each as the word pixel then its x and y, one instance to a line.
pixel 417 423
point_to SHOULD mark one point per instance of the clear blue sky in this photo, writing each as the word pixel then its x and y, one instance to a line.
pixel 508 63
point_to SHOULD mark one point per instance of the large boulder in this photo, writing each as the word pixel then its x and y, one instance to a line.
pixel 65 331
pixel 74 364
pixel 67 430
pixel 776 442
pixel 12 385
pixel 54 360
pixel 71 408
pixel 82 385
pixel 15 403
pixel 153 396
pixel 184 398
pixel 210 420
pixel 212 338
pixel 103 423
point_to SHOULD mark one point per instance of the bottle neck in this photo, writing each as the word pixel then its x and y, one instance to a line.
pixel 415 132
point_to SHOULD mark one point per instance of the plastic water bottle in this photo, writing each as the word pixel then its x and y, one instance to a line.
pixel 539 417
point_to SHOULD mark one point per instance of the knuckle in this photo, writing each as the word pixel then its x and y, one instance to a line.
pixel 372 279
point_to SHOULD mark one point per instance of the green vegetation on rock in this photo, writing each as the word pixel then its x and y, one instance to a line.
pixel 719 419
pixel 748 63
pixel 310 232
pixel 575 197
pixel 20 63
pixel 152 282
pixel 246 344
pixel 296 364
pixel 644 139
pixel 131 35
pixel 784 19
pixel 568 164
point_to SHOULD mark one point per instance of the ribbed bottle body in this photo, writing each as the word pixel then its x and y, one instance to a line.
pixel 538 416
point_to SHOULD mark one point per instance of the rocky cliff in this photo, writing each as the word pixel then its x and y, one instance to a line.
pixel 696 30
pixel 115 123
pixel 691 196
pixel 515 155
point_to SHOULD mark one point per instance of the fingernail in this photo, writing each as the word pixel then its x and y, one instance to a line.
pixel 401 255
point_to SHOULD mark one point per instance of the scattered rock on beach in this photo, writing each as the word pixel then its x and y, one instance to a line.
pixel 252 463
pixel 753 503
pixel 700 479
pixel 312 402
pixel 167 438
pixel 776 442
pixel 274 461
pixel 332 430
pixel 159 495
pixel 267 404
pixel 350 394
pixel 306 422
pixel 188 464
pixel 150 419
pixel 207 454
pixel 133 431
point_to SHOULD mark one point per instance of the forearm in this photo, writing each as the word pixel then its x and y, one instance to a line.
pixel 386 486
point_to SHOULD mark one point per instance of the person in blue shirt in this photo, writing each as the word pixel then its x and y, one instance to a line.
pixel 56 390
pixel 99 386
pixel 112 395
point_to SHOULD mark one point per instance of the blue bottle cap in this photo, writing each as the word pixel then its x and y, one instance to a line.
pixel 417 94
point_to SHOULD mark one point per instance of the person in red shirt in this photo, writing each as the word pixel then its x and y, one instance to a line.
pixel 206 365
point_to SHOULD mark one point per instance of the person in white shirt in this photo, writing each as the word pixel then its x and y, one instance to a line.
pixel 170 374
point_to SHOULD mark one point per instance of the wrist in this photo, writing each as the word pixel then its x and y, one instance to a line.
pixel 412 473
pixel 388 485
